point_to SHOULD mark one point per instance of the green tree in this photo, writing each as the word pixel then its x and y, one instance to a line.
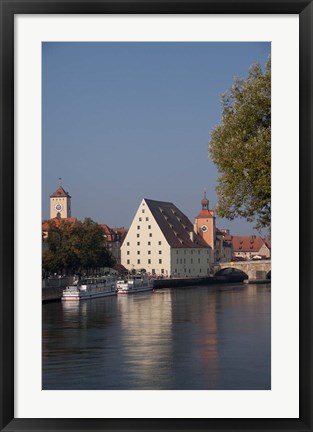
pixel 241 149
pixel 88 243
pixel 73 248
pixel 59 256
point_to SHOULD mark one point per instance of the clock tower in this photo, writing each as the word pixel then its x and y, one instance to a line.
pixel 60 203
pixel 205 223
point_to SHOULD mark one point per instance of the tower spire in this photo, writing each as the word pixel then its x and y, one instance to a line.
pixel 60 181
pixel 205 202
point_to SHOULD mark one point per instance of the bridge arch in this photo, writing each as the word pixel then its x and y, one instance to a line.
pixel 254 269
pixel 232 272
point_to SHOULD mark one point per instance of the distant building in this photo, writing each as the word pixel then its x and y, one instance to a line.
pixel 248 247
pixel 60 204
pixel 162 241
pixel 223 246
pixel 113 238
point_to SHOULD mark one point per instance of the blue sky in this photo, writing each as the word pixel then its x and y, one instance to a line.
pixel 126 121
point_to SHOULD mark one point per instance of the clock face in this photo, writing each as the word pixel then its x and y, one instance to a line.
pixel 204 228
pixel 58 207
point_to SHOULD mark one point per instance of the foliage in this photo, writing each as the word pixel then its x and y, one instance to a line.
pixel 241 149
pixel 77 247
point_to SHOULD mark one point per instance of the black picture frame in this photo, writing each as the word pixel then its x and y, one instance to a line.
pixel 8 9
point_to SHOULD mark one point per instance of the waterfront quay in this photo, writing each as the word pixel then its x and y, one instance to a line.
pixel 52 289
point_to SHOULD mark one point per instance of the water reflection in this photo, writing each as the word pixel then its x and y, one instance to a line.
pixel 215 337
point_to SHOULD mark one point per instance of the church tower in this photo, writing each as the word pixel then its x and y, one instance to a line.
pixel 60 203
pixel 205 223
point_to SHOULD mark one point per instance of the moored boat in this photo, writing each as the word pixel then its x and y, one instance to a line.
pixel 90 288
pixel 134 284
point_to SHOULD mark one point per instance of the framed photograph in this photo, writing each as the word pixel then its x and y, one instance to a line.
pixel 109 111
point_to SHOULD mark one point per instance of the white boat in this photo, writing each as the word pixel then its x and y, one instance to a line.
pixel 134 284
pixel 90 288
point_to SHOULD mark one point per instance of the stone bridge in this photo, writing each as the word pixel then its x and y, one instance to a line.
pixel 255 269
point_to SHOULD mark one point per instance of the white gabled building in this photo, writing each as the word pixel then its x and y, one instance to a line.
pixel 162 240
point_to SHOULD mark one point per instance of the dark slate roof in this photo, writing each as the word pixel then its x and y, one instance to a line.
pixel 175 226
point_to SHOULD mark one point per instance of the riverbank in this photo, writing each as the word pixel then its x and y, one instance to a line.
pixel 185 282
pixel 51 294
pixel 55 293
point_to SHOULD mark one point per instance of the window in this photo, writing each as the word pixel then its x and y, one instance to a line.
pixel 160 242
pixel 128 262
pixel 149 243
pixel 177 261
pixel 143 210
pixel 199 260
pixel 138 235
pixel 200 271
pixel 192 252
pixel 176 252
pixel 149 252
pixel 139 219
pixel 198 252
pixel 185 252
pixel 150 235
pixel 162 270
pixel 138 243
pixel 138 252
pixel 184 260
pixel 181 261
pixel 149 261
pixel 147 218
pixel 138 261
pixel 160 252
pixel 127 252
pixel 149 226
pixel 127 243
pixel 138 226
pixel 160 261
pixel 191 261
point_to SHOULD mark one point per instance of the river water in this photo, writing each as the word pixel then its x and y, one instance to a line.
pixel 215 337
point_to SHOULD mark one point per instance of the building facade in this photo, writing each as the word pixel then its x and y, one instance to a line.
pixel 162 241
pixel 60 204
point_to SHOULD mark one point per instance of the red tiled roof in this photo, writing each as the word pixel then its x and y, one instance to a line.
pixel 57 221
pixel 60 192
pixel 205 213
pixel 247 243
pixel 113 234
pixel 107 232
pixel 175 226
